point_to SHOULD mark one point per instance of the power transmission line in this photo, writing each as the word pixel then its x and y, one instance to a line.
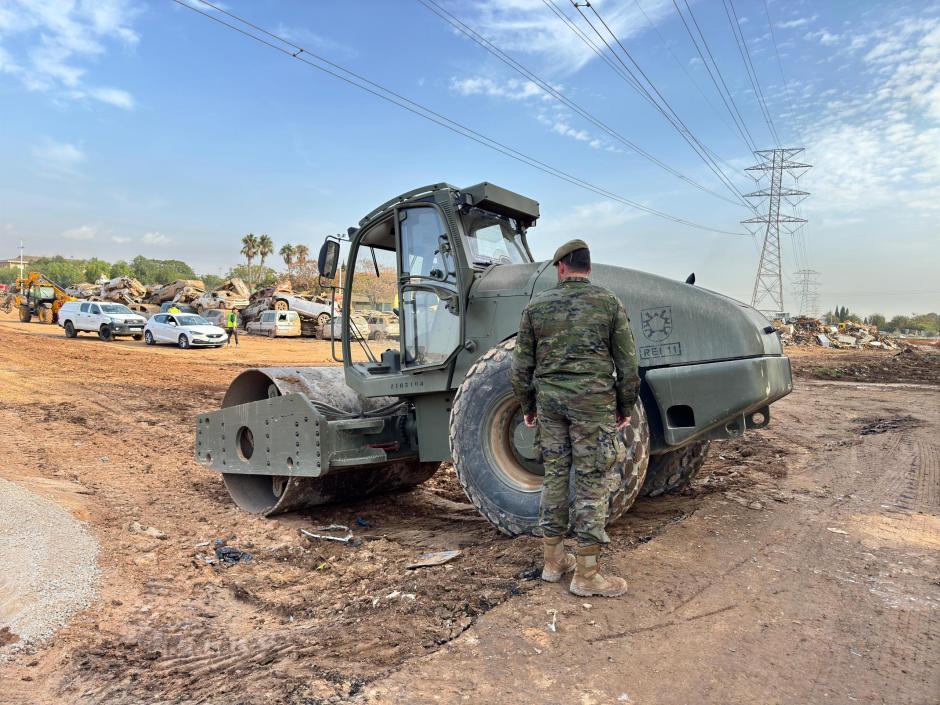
pixel 731 106
pixel 684 69
pixel 767 296
pixel 662 105
pixel 749 66
pixel 491 47
pixel 390 96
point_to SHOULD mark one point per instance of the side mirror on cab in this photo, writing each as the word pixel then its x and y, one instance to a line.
pixel 328 260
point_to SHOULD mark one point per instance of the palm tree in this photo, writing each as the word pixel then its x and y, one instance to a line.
pixel 287 253
pixel 265 249
pixel 302 253
pixel 250 250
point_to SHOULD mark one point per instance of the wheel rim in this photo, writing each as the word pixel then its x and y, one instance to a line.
pixel 507 444
pixel 183 342
pixel 280 305
pixel 148 338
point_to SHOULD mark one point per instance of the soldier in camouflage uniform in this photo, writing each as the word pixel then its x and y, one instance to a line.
pixel 574 373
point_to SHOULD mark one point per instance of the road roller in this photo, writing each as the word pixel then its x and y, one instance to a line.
pixel 455 266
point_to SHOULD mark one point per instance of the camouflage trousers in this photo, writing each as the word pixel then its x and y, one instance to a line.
pixel 582 447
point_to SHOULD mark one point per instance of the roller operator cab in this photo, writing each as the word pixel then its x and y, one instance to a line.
pixel 455 266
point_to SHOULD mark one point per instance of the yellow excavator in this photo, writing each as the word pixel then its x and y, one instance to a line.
pixel 36 295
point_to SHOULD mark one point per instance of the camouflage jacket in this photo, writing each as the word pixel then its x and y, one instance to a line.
pixel 572 340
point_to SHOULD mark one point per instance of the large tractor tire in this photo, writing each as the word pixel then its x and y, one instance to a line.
pixel 46 315
pixel 25 315
pixel 275 494
pixel 497 459
pixel 674 470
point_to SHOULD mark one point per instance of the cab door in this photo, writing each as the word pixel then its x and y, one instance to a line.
pixel 429 312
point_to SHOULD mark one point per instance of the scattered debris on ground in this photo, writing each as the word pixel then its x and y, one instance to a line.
pixel 807 331
pixel 428 560
pixel 908 365
pixel 895 423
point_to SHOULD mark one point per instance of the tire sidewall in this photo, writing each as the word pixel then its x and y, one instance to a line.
pixel 510 509
pixel 69 329
pixel 183 342
pixel 105 332
pixel 148 338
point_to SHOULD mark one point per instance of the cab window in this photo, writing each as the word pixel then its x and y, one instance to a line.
pixel 430 322
pixel 84 308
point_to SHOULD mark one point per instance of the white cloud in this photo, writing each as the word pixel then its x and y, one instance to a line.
pixel 56 39
pixel 879 146
pixel 529 27
pixel 58 157
pixel 824 36
pixel 120 239
pixel 83 232
pixel 113 96
pixel 798 22
pixel 511 89
pixel 155 238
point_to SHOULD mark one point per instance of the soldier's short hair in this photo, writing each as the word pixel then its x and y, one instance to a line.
pixel 579 260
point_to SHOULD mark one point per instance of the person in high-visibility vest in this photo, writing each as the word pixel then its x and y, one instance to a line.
pixel 173 309
pixel 231 327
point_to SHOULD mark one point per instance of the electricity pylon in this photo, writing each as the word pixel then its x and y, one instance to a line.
pixel 807 288
pixel 768 286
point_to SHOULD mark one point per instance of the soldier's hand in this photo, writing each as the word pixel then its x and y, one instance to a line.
pixel 623 422
pixel 529 419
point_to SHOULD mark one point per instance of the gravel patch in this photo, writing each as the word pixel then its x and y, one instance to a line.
pixel 48 569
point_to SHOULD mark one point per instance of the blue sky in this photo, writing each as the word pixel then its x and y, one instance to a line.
pixel 134 127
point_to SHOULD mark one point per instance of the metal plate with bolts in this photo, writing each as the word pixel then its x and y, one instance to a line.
pixel 278 436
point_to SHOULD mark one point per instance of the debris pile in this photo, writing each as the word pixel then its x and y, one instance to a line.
pixel 125 290
pixel 806 331
pixel 230 294
pixel 180 291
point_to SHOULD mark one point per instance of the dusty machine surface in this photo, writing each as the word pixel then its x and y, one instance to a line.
pixel 458 264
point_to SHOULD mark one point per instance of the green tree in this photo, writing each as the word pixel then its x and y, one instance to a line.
pixel 211 281
pixel 877 320
pixel 120 269
pixel 64 272
pixel 8 275
pixel 926 322
pixel 898 323
pixel 96 268
pixel 250 250
pixel 160 271
pixel 287 253
pixel 265 249
pixel 302 254
pixel 265 277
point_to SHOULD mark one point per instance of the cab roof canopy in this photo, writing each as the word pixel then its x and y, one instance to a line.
pixel 483 195
pixel 502 201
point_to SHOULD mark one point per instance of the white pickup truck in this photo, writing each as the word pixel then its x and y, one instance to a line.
pixel 107 319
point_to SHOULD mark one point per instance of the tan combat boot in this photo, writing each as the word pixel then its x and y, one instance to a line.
pixel 557 562
pixel 588 581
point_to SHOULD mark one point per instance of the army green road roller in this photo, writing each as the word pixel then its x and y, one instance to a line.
pixel 448 272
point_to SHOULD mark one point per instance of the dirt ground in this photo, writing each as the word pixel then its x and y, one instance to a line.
pixel 801 567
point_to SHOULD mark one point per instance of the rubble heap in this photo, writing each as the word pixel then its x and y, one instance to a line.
pixel 125 290
pixel 806 331
pixel 180 291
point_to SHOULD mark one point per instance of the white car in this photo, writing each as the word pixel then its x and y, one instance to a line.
pixel 183 329
pixel 108 320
